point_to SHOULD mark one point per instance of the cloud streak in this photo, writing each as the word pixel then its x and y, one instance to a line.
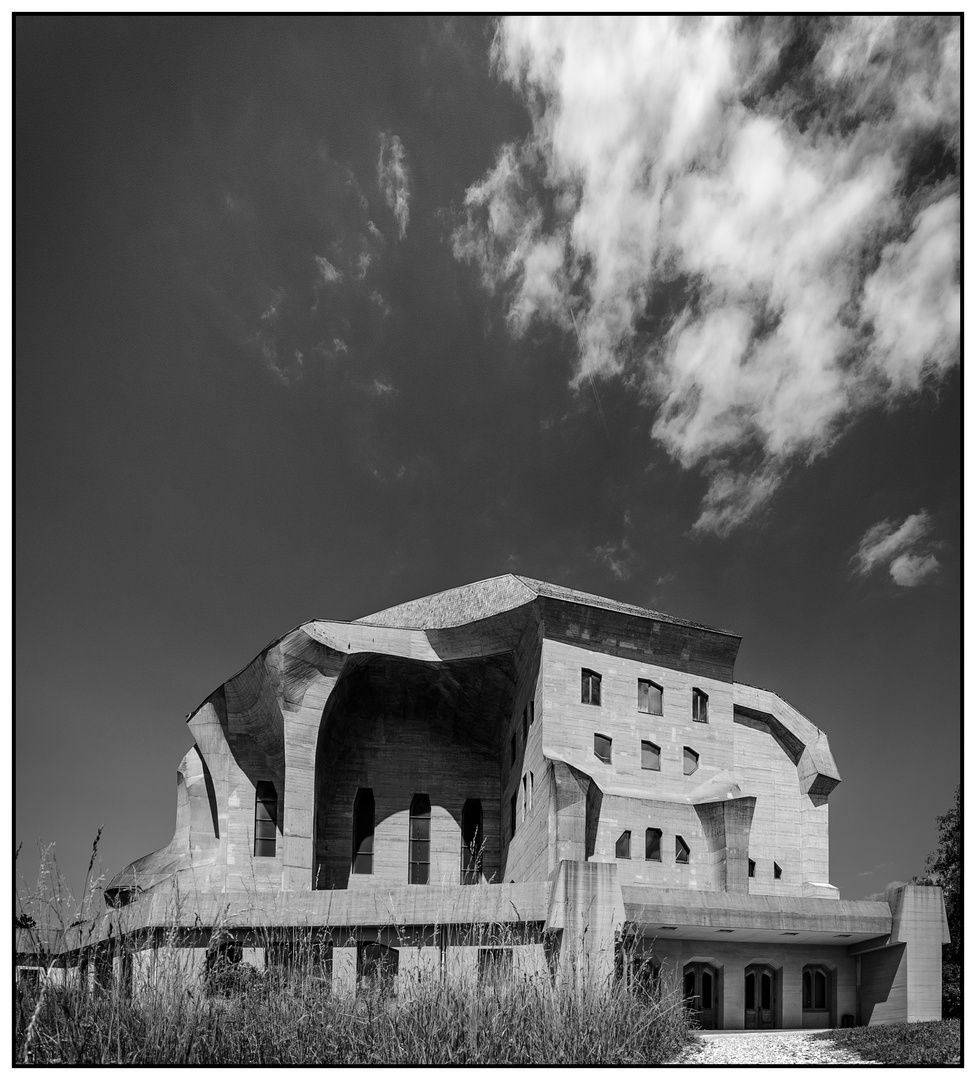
pixel 757 222
pixel 905 549
pixel 394 178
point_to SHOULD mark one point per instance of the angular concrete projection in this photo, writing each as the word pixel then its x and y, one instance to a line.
pixel 487 742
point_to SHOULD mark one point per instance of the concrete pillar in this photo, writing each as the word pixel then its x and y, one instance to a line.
pixel 586 903
pixel 918 919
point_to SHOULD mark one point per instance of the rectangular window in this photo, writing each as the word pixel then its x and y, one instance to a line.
pixel 622 850
pixel 419 840
pixel 494 965
pixel 472 842
pixel 602 748
pixel 265 815
pixel 650 756
pixel 363 817
pixel 682 852
pixel 652 845
pixel 777 871
pixel 691 761
pixel 513 808
pixel 649 697
pixel 590 687
pixel 531 712
pixel 699 706
pixel 752 868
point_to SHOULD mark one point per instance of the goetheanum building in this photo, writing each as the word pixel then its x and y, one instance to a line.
pixel 516 778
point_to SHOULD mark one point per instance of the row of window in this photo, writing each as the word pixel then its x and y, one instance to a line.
pixel 777 870
pixel 418 835
pixel 650 696
pixel 652 846
pixel 650 754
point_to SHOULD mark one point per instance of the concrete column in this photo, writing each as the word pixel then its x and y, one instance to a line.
pixel 586 903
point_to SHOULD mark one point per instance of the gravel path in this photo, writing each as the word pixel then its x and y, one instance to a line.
pixel 767 1048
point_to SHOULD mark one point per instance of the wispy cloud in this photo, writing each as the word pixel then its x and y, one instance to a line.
pixel 618 558
pixel 765 262
pixel 394 178
pixel 905 549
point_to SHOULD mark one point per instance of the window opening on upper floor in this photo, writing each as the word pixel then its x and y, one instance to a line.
pixel 472 842
pixel 699 706
pixel 363 818
pixel 265 816
pixel 531 712
pixel 777 871
pixel 691 760
pixel 752 868
pixel 650 697
pixel 682 852
pixel 622 850
pixel 531 789
pixel 419 840
pixel 652 845
pixel 602 745
pixel 525 795
pixel 650 756
pixel 590 687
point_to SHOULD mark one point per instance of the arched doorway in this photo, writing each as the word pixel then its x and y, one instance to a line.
pixel 760 996
pixel 701 994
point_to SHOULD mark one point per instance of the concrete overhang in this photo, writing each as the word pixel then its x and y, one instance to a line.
pixel 731 917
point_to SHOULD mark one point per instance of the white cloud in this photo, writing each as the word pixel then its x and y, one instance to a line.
pixel 394 178
pixel 769 264
pixel 905 549
pixel 618 558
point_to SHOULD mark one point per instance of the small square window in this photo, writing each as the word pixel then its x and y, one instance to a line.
pixel 691 761
pixel 699 706
pixel 602 748
pixel 623 845
pixel 590 687
pixel 650 756
pixel 649 697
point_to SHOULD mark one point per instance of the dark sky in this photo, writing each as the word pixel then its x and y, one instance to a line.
pixel 271 365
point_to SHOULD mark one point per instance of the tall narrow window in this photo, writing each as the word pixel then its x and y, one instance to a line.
pixel 531 712
pixel 602 747
pixel 649 697
pixel 525 795
pixel 681 850
pixel 691 761
pixel 590 688
pixel 623 845
pixel 752 868
pixel 531 789
pixel 815 983
pixel 650 756
pixel 472 842
pixel 699 706
pixel 513 810
pixel 419 840
pixel 777 871
pixel 652 845
pixel 265 816
pixel 363 817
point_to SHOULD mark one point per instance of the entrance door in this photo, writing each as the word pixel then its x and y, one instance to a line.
pixel 760 1000
pixel 701 994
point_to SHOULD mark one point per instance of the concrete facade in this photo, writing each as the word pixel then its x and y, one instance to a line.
pixel 511 779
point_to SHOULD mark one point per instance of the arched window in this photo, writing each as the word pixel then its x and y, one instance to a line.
pixel 419 840
pixel 652 845
pixel 816 982
pixel 691 761
pixel 472 842
pixel 363 818
pixel 265 816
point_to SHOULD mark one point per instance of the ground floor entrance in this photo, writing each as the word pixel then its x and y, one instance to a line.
pixel 701 994
pixel 760 996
